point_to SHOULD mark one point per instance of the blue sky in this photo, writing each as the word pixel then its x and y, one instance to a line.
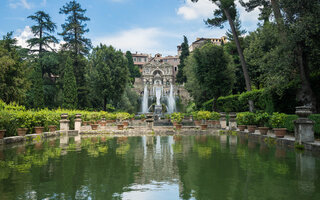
pixel 147 26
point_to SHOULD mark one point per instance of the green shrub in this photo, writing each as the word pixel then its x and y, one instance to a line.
pixel 215 116
pixel 203 115
pixel 231 103
pixel 246 118
pixel 263 119
pixel 288 124
pixel 277 120
pixel 177 117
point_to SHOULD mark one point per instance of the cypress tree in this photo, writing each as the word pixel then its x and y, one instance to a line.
pixel 37 87
pixel 69 86
pixel 181 77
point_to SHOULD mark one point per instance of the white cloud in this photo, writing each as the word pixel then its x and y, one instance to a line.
pixel 24 35
pixel 20 3
pixel 204 9
pixel 144 40
pixel 201 9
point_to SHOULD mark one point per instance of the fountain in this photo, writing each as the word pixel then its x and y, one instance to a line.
pixel 145 100
pixel 171 101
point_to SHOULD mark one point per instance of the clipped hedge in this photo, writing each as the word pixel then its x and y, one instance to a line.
pixel 13 116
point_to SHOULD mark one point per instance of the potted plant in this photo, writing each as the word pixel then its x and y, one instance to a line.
pixel 23 120
pixel 4 121
pixel 177 118
pixel 262 120
pixel 214 119
pixel 241 121
pixel 250 121
pixel 94 124
pixel 277 121
pixel 53 119
pixel 120 117
pixel 39 120
pixel 143 117
pixel 196 120
pixel 203 116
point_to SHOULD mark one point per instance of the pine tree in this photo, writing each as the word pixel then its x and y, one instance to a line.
pixel 69 86
pixel 75 28
pixel 181 77
pixel 237 24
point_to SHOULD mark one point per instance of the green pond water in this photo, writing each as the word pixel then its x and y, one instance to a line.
pixel 154 167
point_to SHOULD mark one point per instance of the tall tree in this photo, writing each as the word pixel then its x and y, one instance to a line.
pixel 73 31
pixel 69 86
pixel 227 12
pixel 37 93
pixel 13 71
pixel 210 75
pixel 109 75
pixel 181 77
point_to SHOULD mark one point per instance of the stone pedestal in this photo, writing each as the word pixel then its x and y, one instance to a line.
pixel 232 121
pixel 223 121
pixel 77 123
pixel 150 121
pixel 303 126
pixel 64 122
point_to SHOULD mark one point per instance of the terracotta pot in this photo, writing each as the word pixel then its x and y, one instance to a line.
pixel 215 122
pixel 178 126
pixel 197 122
pixel 94 126
pixel 263 130
pixel 2 132
pixel 113 120
pixel 22 131
pixel 52 128
pixel 174 123
pixel 280 132
pixel 125 123
pixel 143 120
pixel 120 126
pixel 84 123
pixel 242 127
pixel 104 123
pixel 38 129
pixel 251 128
pixel 204 126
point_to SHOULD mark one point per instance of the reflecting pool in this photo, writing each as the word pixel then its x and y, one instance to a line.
pixel 154 167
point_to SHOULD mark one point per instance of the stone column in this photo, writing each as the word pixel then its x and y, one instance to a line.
pixel 223 120
pixel 232 121
pixel 303 125
pixel 77 123
pixel 64 122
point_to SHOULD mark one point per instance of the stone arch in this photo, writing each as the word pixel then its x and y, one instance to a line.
pixel 154 72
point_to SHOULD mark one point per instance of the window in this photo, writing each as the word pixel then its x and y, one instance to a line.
pixel 139 59
pixel 175 69
pixel 135 59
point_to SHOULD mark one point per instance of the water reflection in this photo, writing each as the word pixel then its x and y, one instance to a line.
pixel 154 167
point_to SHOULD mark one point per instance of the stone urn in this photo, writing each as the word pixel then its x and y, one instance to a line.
pixel 197 122
pixel 125 123
pixel 204 126
pixel 38 129
pixel 280 132
pixel 263 130
pixel 64 115
pixel 178 126
pixel 242 127
pixel 120 126
pixel 52 128
pixel 252 128
pixel 2 132
pixel 303 111
pixel 22 131
pixel 94 126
